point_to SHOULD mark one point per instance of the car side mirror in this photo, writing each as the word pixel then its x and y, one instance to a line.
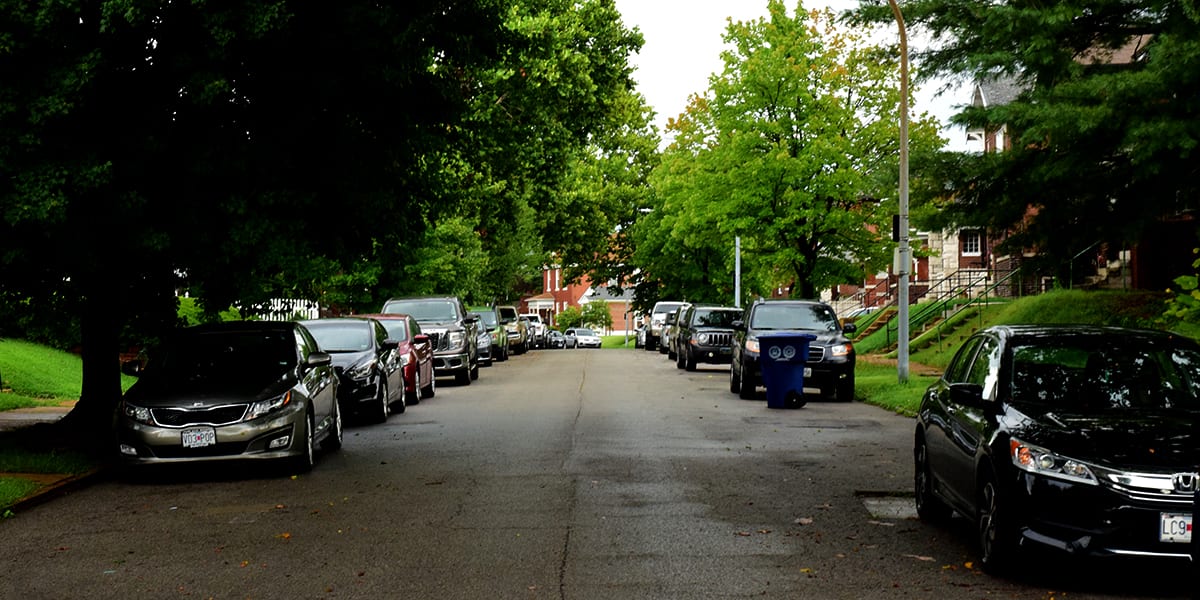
pixel 421 338
pixel 471 318
pixel 318 359
pixel 849 328
pixel 738 325
pixel 967 394
pixel 390 344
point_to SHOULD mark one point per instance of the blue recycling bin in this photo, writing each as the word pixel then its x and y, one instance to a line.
pixel 783 358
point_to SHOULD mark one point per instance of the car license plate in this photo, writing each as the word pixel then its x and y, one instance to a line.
pixel 1175 527
pixel 199 437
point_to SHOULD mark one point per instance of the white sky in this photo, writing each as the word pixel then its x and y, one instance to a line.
pixel 683 47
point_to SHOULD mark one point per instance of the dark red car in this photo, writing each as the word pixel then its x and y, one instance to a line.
pixel 416 354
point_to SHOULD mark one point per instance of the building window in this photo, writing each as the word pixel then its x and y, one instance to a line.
pixel 972 242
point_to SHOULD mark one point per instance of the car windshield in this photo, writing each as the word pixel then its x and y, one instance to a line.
pixel 815 317
pixel 1115 375
pixel 341 336
pixel 424 310
pixel 581 331
pixel 716 318
pixel 397 329
pixel 489 318
pixel 226 361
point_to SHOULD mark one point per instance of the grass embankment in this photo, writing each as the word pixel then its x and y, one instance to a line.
pixel 32 376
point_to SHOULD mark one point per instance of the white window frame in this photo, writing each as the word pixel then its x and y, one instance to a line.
pixel 969 235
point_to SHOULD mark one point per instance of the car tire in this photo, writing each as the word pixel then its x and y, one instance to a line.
pixel 997 535
pixel 735 381
pixel 474 370
pixel 402 402
pixel 679 360
pixel 463 377
pixel 689 362
pixel 845 390
pixel 304 463
pixel 415 397
pixel 383 408
pixel 930 508
pixel 649 346
pixel 431 388
pixel 333 439
pixel 749 388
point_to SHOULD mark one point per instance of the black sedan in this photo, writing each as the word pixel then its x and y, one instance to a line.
pixel 368 368
pixel 1077 439
pixel 251 390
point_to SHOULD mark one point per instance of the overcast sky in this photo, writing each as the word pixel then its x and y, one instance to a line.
pixel 683 47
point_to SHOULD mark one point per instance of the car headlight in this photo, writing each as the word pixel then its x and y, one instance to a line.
pixel 841 349
pixel 1044 462
pixel 405 359
pixel 140 414
pixel 703 339
pixel 362 371
pixel 456 339
pixel 752 345
pixel 262 407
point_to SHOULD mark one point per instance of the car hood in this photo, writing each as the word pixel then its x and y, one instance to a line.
pixel 440 326
pixel 158 392
pixel 1115 439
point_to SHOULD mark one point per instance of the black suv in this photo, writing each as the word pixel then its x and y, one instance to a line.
pixel 830 370
pixel 451 329
pixel 704 334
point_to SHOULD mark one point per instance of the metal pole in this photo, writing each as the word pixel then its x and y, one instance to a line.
pixel 904 252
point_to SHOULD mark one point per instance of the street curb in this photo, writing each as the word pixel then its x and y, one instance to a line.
pixel 60 488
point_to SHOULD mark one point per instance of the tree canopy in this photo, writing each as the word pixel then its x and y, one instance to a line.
pixel 1104 128
pixel 794 149
pixel 244 150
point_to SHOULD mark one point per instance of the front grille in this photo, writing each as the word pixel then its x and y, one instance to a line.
pixel 216 416
pixel 720 339
pixel 1148 487
pixel 816 353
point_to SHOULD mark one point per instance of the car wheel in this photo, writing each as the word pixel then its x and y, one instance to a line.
pixel 304 463
pixel 463 377
pixel 382 406
pixel 649 345
pixel 679 360
pixel 749 388
pixel 414 397
pixel 475 370
pixel 689 362
pixel 845 390
pixel 735 382
pixel 402 404
pixel 333 440
pixel 430 389
pixel 997 535
pixel 929 507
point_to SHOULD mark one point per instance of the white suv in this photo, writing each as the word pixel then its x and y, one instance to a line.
pixel 537 330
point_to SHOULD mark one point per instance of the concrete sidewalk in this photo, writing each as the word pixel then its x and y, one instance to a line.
pixel 24 417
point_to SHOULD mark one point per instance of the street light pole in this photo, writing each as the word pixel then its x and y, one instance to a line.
pixel 903 255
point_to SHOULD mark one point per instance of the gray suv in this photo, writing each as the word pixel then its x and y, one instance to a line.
pixel 452 330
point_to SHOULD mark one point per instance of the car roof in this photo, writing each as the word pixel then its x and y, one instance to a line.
pixel 384 316
pixel 1060 330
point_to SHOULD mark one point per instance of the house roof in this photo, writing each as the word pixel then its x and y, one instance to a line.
pixel 606 294
pixel 996 92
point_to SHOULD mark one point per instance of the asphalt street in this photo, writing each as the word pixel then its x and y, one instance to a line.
pixel 565 474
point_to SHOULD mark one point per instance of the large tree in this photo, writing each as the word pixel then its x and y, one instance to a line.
pixel 1105 132
pixel 247 150
pixel 793 149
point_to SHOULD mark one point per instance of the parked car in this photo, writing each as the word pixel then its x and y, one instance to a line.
pixel 415 350
pixel 1075 439
pixel 704 334
pixel 583 337
pixel 245 390
pixel 639 338
pixel 452 330
pixel 537 330
pixel 668 331
pixel 518 330
pixel 555 339
pixel 569 341
pixel 658 315
pixel 830 368
pixel 483 342
pixel 370 379
pixel 489 321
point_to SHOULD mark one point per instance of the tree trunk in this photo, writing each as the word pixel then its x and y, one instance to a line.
pixel 91 421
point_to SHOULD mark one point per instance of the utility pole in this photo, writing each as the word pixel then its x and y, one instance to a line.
pixel 904 254
pixel 737 271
